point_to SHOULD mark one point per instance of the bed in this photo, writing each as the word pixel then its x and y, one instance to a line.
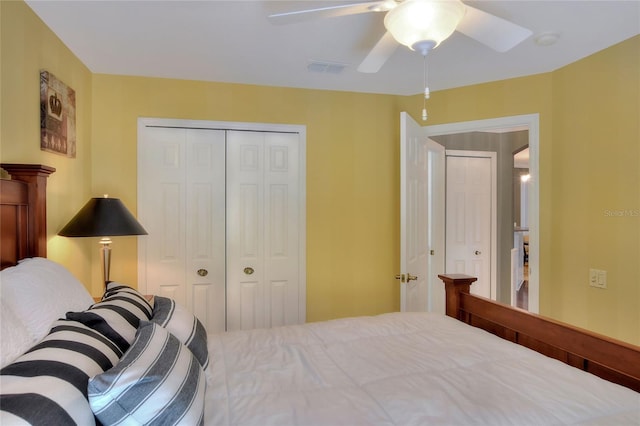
pixel 482 363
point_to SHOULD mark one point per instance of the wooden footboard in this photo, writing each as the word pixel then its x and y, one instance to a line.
pixel 611 359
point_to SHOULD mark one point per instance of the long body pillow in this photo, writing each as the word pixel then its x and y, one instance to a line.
pixel 117 315
pixel 48 384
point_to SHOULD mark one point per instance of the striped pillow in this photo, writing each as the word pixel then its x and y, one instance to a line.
pixel 114 287
pixel 157 380
pixel 117 315
pixel 48 384
pixel 184 325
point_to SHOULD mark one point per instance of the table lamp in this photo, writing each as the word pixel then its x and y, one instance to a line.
pixel 103 217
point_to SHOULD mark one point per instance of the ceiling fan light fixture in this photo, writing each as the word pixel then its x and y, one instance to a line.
pixel 383 6
pixel 423 24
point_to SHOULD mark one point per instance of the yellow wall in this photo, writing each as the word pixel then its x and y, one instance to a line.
pixel 589 179
pixel 352 175
pixel 589 134
pixel 595 191
pixel 28 46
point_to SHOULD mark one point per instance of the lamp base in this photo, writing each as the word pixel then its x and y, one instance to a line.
pixel 105 251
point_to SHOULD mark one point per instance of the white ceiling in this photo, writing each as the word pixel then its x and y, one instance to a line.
pixel 233 41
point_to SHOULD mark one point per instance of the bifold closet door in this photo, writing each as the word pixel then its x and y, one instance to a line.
pixel 181 203
pixel 262 229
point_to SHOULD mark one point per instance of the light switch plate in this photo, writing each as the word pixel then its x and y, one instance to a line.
pixel 598 278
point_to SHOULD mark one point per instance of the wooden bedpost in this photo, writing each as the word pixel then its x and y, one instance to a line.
pixel 454 284
pixel 35 176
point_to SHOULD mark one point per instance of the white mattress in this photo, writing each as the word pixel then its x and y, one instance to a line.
pixel 400 369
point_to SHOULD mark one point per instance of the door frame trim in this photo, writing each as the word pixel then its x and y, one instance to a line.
pixel 530 122
pixel 493 156
pixel 301 130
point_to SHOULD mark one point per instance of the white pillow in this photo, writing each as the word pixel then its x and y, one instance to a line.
pixel 40 291
pixel 15 338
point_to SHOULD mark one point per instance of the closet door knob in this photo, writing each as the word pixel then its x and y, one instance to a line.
pixel 202 272
pixel 248 270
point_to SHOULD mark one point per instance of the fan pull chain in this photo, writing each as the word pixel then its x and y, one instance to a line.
pixel 427 93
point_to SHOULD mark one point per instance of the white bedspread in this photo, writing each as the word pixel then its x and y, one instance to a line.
pixel 400 369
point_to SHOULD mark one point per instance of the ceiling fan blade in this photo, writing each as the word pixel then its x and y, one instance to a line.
pixel 490 30
pixel 328 12
pixel 383 49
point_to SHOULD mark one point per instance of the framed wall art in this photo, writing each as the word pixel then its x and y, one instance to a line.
pixel 57 116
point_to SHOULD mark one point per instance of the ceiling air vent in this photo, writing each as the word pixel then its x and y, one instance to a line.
pixel 326 67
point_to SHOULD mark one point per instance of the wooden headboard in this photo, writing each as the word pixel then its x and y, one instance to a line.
pixel 23 212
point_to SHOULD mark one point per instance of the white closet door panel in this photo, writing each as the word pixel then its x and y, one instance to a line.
pixel 205 227
pixel 161 208
pixel 181 203
pixel 278 297
pixel 170 291
pixel 282 253
pixel 209 306
pixel 245 230
pixel 248 255
pixel 250 305
pixel 200 223
pixel 170 212
pixel 250 230
pixel 277 245
pixel 262 229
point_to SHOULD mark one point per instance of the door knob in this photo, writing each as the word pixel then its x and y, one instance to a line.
pixel 248 270
pixel 202 272
pixel 477 252
pixel 405 278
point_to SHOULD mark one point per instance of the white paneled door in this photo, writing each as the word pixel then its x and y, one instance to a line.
pixel 421 219
pixel 470 200
pixel 225 214
pixel 181 199
pixel 263 229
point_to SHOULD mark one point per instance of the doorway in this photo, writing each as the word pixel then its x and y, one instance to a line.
pixel 520 250
pixel 529 122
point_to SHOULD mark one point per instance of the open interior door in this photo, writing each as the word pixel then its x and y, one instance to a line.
pixel 421 218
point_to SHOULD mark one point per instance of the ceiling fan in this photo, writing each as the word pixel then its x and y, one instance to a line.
pixel 420 25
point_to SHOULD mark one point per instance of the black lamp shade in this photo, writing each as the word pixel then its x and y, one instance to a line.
pixel 103 217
